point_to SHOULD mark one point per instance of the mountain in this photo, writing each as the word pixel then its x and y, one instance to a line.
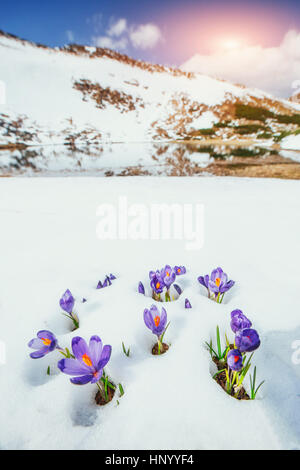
pixel 79 94
pixel 295 98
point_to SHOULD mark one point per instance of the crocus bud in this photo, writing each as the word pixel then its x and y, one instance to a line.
pixel 99 285
pixel 187 303
pixel 235 360
pixel 177 288
pixel 141 288
pixel 247 340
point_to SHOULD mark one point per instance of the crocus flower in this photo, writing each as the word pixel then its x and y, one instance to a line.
pixel 239 321
pixel 168 276
pixel 44 344
pixel 177 288
pixel 112 277
pixel 89 360
pixel 187 303
pixel 141 288
pixel 235 360
pixel 156 282
pixel 99 285
pixel 247 340
pixel 67 302
pixel 204 280
pixel 155 321
pixel 218 282
pixel 179 270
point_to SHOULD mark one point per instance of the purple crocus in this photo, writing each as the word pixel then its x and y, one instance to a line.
pixel 89 360
pixel 67 302
pixel 187 304
pixel 218 282
pixel 177 288
pixel 168 276
pixel 112 277
pixel 235 360
pixel 99 285
pixel 204 280
pixel 179 270
pixel 44 344
pixel 239 321
pixel 141 288
pixel 107 282
pixel 155 321
pixel 247 340
pixel 156 282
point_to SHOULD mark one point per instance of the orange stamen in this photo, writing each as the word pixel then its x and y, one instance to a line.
pixel 46 341
pixel 178 270
pixel 157 285
pixel 87 360
pixel 157 320
pixel 236 358
pixel 218 281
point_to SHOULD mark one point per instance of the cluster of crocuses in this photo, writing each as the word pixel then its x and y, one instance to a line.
pixel 234 357
pixel 217 284
pixel 107 281
pixel 67 300
pixel 86 364
pixel 161 282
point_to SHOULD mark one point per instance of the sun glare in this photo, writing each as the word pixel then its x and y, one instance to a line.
pixel 230 44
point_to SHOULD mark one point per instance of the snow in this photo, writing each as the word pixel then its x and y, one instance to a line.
pixel 48 243
pixel 292 142
pixel 48 98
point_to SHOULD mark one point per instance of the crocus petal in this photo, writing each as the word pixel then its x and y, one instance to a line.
pixel 163 318
pixel 36 343
pixel 141 288
pixel 82 380
pixel 177 288
pixel 148 319
pixel 236 312
pixel 40 353
pixel 95 347
pixel 112 277
pixel 46 334
pixel 72 367
pixel 79 348
pixel 187 303
pixel 105 357
pixel 97 376
pixel 99 285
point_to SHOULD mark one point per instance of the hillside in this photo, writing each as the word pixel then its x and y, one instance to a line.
pixel 79 94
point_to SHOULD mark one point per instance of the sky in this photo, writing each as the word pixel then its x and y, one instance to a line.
pixel 252 42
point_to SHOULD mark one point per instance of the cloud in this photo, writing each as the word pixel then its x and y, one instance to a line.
pixel 274 69
pixel 118 35
pixel 70 35
pixel 110 43
pixel 145 36
pixel 117 28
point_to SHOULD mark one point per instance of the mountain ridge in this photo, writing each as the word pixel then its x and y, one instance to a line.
pixel 81 94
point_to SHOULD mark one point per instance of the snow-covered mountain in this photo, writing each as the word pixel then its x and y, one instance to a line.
pixel 77 94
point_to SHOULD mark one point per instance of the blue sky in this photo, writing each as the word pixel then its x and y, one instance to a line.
pixel 184 26
pixel 199 33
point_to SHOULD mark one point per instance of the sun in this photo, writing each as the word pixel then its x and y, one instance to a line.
pixel 231 44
